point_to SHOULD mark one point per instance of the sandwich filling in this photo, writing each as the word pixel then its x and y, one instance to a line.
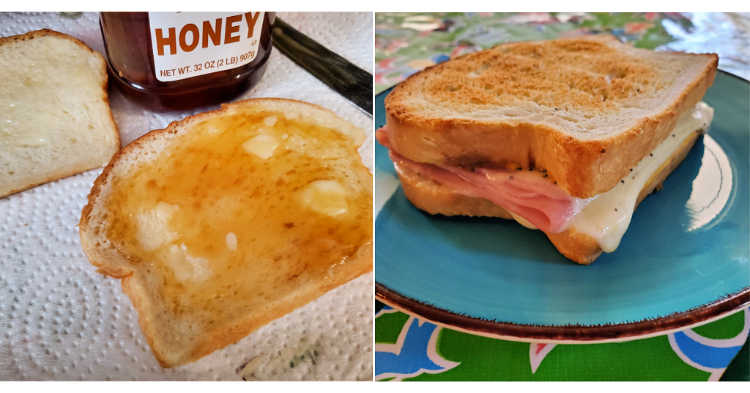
pixel 608 215
pixel 536 202
pixel 532 199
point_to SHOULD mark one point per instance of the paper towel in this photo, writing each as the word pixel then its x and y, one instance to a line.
pixel 60 319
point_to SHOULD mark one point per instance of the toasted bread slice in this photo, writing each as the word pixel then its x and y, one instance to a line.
pixel 580 247
pixel 55 113
pixel 226 220
pixel 585 109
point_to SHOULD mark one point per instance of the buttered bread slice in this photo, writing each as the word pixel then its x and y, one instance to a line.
pixel 229 219
pixel 55 119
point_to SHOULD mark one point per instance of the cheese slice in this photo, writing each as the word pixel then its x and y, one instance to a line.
pixel 607 216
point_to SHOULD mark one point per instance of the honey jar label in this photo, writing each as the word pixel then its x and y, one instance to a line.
pixel 189 44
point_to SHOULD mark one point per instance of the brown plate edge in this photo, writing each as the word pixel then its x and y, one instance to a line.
pixel 566 333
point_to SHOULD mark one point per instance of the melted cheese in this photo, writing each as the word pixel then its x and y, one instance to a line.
pixel 607 216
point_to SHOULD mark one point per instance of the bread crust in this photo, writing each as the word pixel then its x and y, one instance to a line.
pixel 434 198
pixel 55 175
pixel 116 263
pixel 583 168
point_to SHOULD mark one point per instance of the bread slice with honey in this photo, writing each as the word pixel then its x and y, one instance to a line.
pixel 54 111
pixel 228 219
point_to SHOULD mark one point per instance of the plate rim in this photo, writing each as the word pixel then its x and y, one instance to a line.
pixel 572 333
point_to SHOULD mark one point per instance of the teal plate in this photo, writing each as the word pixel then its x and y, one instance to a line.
pixel 684 259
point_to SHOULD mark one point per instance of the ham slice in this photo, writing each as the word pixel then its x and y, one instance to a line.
pixel 526 194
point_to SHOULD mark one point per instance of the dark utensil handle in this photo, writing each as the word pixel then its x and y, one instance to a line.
pixel 335 71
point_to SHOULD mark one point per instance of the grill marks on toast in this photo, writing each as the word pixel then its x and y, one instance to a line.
pixel 580 85
pixel 585 109
pixel 554 76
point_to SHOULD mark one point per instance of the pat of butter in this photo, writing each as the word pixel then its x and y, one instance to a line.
pixel 185 266
pixel 231 240
pixel 213 130
pixel 270 121
pixel 261 145
pixel 326 197
pixel 153 226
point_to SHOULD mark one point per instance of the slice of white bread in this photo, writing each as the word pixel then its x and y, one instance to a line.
pixel 584 109
pixel 228 219
pixel 55 119
pixel 435 198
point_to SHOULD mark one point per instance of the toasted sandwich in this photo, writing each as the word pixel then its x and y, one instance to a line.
pixel 566 136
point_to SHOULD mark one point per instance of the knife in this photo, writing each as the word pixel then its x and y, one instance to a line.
pixel 352 82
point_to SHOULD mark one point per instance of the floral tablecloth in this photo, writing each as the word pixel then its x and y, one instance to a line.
pixel 409 348
pixel 406 43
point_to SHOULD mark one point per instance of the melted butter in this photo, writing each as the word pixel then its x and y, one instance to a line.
pixel 184 266
pixel 607 216
pixel 262 145
pixel 270 121
pixel 325 197
pixel 231 240
pixel 223 231
pixel 152 230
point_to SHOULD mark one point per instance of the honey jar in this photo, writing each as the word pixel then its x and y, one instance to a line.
pixel 182 60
